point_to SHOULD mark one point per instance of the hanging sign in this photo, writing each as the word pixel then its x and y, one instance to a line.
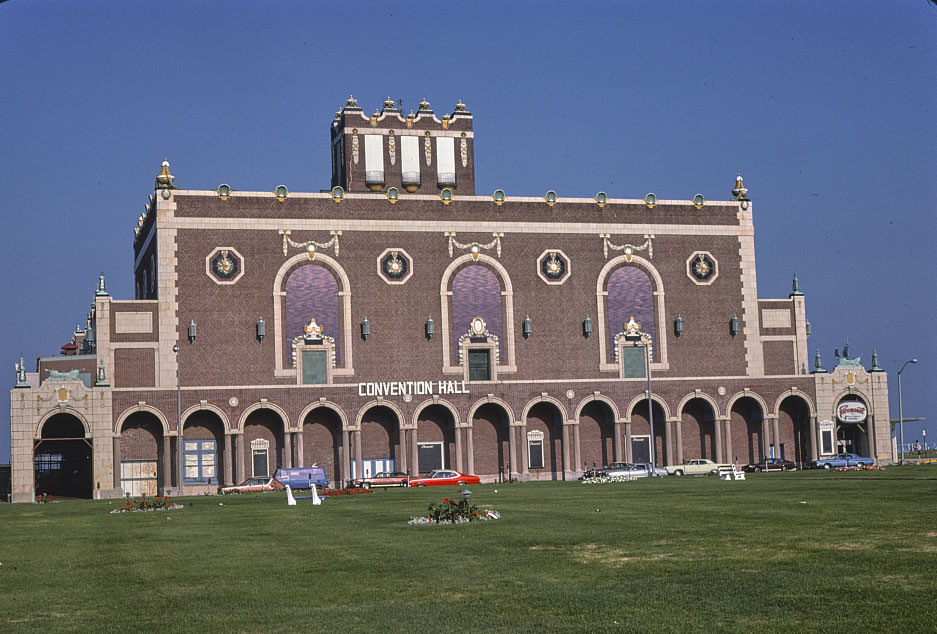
pixel 851 412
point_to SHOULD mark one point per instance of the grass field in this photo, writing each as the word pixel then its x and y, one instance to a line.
pixel 783 552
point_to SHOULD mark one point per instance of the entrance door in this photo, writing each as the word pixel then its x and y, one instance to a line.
pixel 640 448
pixel 429 455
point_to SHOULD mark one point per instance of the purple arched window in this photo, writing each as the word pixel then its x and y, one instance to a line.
pixel 476 292
pixel 630 293
pixel 311 291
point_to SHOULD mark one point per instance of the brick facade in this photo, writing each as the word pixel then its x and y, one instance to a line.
pixel 730 386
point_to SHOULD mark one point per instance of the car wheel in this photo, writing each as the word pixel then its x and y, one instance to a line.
pixel 421 484
pixel 365 485
pixel 461 484
pixel 827 466
pixel 678 472
pixel 757 469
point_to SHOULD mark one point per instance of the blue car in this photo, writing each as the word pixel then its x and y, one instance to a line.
pixel 844 460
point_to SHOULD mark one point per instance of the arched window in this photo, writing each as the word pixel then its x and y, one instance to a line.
pixel 476 292
pixel 311 293
pixel 477 318
pixel 630 294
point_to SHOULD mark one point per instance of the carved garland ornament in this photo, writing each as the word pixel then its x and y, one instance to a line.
pixel 463 147
pixel 392 147
pixel 311 245
pixel 354 145
pixel 474 247
pixel 628 249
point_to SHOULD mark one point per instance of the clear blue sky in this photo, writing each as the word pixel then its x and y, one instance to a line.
pixel 827 109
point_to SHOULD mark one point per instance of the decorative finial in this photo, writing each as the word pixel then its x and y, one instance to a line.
pixel 424 105
pixel 389 104
pixel 102 286
pixel 460 107
pixel 818 363
pixel 101 379
pixel 165 180
pixel 352 102
pixel 795 286
pixel 740 191
pixel 875 367
pixel 21 373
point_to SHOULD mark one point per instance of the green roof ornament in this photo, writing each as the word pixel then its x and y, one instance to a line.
pixel 101 378
pixel 795 287
pixel 102 287
pixel 875 366
pixel 21 373
pixel 818 364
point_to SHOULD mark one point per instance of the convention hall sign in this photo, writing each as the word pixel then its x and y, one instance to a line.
pixel 410 388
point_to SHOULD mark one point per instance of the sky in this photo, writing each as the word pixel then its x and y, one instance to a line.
pixel 827 109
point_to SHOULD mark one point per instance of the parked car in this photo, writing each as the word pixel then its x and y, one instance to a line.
pixel 617 469
pixel 697 466
pixel 843 460
pixel 302 477
pixel 442 477
pixel 254 485
pixel 643 470
pixel 771 464
pixel 383 479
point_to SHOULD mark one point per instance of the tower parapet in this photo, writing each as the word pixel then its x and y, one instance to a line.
pixel 416 152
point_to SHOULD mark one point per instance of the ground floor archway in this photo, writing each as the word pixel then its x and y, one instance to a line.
pixel 62 459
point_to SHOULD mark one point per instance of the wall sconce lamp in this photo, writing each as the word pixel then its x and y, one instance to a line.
pixel 192 331
pixel 498 197
pixel 261 330
pixel 734 325
pixel 365 329
pixel 587 327
pixel 526 329
pixel 678 326
pixel 430 328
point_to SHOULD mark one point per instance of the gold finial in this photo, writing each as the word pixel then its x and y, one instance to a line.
pixel 352 102
pixel 460 107
pixel 424 105
pixel 164 180
pixel 740 190
pixel 410 119
pixel 388 104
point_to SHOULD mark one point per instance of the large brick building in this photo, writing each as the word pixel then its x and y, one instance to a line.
pixel 399 320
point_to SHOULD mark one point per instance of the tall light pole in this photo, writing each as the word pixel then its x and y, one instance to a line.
pixel 645 341
pixel 900 411
pixel 180 476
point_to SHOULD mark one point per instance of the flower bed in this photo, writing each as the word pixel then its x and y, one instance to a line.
pixel 325 493
pixel 608 479
pixel 145 504
pixel 454 512
pixel 44 498
pixel 861 468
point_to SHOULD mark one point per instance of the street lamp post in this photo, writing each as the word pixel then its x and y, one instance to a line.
pixel 180 468
pixel 645 342
pixel 900 411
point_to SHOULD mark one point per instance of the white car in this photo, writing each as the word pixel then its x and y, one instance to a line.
pixel 697 466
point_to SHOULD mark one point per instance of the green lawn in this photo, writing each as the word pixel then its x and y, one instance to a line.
pixel 783 552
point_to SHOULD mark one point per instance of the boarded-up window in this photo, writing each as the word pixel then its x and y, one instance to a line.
pixel 373 159
pixel 410 160
pixel 632 361
pixel 314 366
pixel 479 365
pixel 445 161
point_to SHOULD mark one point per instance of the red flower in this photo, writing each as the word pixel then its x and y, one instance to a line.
pixel 445 500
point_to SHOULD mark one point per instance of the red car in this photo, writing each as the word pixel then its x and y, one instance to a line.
pixel 255 485
pixel 443 477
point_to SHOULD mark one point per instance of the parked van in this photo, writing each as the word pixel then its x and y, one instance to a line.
pixel 302 477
